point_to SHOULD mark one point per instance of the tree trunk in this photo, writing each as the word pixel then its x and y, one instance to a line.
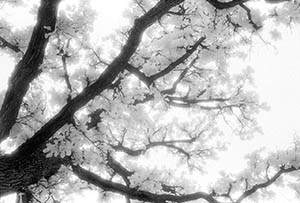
pixel 19 172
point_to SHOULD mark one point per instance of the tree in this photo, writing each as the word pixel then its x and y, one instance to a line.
pixel 105 107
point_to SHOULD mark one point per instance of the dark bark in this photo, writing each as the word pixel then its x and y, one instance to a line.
pixel 28 68
pixel 17 173
pixel 136 194
pixel 104 81
pixel 225 5
pixel 5 44
pixel 28 164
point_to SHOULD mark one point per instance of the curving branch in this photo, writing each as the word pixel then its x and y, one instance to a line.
pixel 171 144
pixel 149 80
pixel 248 11
pixel 267 183
pixel 180 60
pixel 134 193
pixel 251 190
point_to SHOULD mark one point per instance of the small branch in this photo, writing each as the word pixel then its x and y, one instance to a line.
pixel 139 3
pixel 5 44
pixel 267 183
pixel 100 60
pixel 179 61
pixel 255 26
pixel 140 75
pixel 227 194
pixel 168 144
pixel 196 101
pixel 172 90
pixel 66 75
pixel 151 79
pixel 136 194
pixel 64 55
pixel 181 12
pixel 119 169
pixel 236 26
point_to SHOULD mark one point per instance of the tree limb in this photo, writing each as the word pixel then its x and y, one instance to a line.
pixel 224 5
pixel 136 194
pixel 5 44
pixel 149 80
pixel 267 183
pixel 180 60
pixel 118 65
pixel 119 169
pixel 28 68
pixel 152 144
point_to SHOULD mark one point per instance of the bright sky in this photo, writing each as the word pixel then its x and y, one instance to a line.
pixel 277 78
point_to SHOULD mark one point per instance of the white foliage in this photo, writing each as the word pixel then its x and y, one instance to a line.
pixel 219 101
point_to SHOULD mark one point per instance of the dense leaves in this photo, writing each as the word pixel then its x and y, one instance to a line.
pixel 140 112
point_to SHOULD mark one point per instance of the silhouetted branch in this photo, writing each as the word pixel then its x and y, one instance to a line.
pixel 65 115
pixel 173 65
pixel 267 183
pixel 119 169
pixel 149 80
pixel 136 194
pixel 28 68
pixel 5 44
pixel 171 144
pixel 224 5
pixel 248 11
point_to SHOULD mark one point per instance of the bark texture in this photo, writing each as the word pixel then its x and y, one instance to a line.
pixel 19 172
pixel 28 68
pixel 27 165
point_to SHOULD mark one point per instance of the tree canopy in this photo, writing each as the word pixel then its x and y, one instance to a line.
pixel 87 113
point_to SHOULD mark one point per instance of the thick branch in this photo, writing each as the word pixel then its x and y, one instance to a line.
pixel 17 173
pixel 28 68
pixel 224 5
pixel 265 184
pixel 104 81
pixel 136 194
